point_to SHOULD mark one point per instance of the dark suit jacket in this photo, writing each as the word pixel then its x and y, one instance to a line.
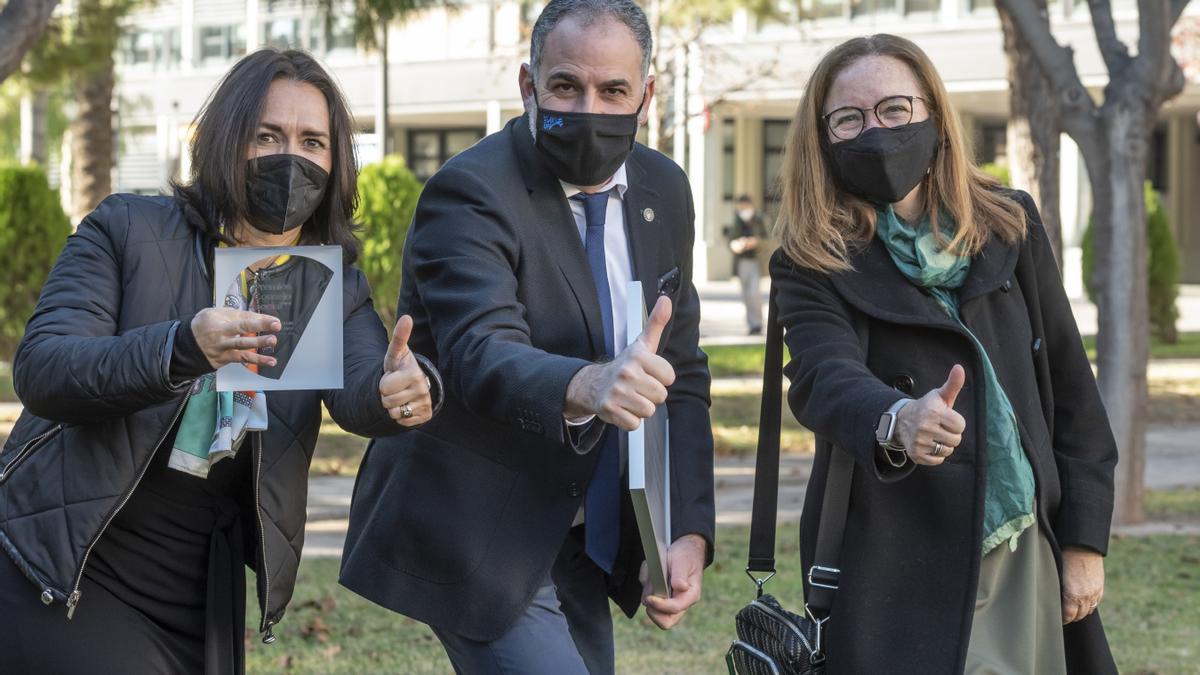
pixel 457 523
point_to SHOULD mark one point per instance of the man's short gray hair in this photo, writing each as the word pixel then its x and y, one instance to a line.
pixel 587 12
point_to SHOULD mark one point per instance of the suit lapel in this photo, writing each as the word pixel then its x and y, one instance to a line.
pixel 558 226
pixel 643 226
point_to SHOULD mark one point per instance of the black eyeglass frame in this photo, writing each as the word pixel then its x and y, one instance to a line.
pixel 874 109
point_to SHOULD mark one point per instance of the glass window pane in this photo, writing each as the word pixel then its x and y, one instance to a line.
pixel 237 41
pixel 424 168
pixel 341 33
pixel 819 9
pixel 775 133
pixel 982 5
pixel 457 141
pixel 282 33
pixel 212 42
pixel 912 6
pixel 423 145
pixel 869 7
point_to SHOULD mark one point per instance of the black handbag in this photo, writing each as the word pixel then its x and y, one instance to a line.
pixel 770 639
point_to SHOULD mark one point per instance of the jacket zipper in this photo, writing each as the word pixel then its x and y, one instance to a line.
pixel 25 452
pixel 785 621
pixel 73 598
pixel 262 540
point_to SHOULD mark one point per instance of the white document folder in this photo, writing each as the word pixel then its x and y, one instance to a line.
pixel 649 466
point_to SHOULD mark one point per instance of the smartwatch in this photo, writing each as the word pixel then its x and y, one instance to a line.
pixel 885 431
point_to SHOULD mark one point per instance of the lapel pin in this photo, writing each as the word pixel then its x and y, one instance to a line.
pixel 648 215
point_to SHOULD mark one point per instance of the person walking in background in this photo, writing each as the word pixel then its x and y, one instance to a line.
pixel 126 550
pixel 505 524
pixel 932 340
pixel 745 236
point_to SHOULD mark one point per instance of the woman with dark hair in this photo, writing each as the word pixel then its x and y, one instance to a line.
pixel 932 342
pixel 125 536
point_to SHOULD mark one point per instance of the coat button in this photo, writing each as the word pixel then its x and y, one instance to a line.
pixel 1007 286
pixel 1037 346
pixel 573 489
pixel 903 383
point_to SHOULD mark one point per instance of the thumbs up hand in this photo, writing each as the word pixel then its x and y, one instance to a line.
pixel 627 389
pixel 404 389
pixel 929 428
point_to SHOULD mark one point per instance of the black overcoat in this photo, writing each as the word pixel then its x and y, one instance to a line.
pixel 911 552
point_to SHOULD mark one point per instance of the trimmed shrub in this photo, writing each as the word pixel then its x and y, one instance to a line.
pixel 998 171
pixel 387 198
pixel 1164 269
pixel 33 229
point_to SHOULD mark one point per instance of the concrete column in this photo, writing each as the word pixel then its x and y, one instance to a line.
pixel 187 35
pixel 495 117
pixel 252 25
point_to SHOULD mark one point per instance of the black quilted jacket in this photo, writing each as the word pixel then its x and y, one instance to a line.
pixel 93 374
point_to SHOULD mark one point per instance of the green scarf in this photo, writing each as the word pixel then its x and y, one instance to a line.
pixel 1009 490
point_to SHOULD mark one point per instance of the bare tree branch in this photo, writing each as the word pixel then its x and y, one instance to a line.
pixel 1079 113
pixel 1115 53
pixel 21 24
pixel 1154 31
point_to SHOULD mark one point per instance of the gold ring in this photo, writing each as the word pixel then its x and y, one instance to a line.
pixel 406 411
pixel 937 449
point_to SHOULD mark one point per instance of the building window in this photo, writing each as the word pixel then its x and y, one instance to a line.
pixel 282 34
pixel 429 149
pixel 728 159
pixel 158 49
pixel 870 7
pixel 332 35
pixel 221 43
pixel 993 142
pixel 774 138
pixel 918 6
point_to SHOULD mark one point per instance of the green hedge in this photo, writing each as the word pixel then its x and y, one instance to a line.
pixel 33 229
pixel 387 198
pixel 1164 269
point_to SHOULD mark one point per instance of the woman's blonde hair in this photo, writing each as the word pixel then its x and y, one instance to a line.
pixel 820 225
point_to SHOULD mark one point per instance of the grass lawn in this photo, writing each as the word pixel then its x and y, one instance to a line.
pixel 1181 504
pixel 1151 610
pixel 7 395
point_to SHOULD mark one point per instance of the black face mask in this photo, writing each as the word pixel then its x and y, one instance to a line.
pixel 283 191
pixel 883 165
pixel 584 148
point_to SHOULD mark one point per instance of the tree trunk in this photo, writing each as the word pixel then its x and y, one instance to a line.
pixel 21 24
pixel 1123 343
pixel 1033 130
pixel 381 111
pixel 92 139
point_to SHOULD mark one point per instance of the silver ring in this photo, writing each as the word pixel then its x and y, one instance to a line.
pixel 1095 605
pixel 937 449
pixel 406 411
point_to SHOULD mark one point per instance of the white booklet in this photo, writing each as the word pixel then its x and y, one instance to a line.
pixel 649 466
pixel 302 287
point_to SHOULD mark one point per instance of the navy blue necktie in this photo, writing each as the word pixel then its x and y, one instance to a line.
pixel 602 503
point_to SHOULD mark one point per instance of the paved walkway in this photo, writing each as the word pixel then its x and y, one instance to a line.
pixel 1172 462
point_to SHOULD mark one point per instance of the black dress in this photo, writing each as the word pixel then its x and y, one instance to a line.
pixel 163 590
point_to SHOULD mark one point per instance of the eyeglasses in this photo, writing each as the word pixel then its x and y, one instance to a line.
pixel 848 123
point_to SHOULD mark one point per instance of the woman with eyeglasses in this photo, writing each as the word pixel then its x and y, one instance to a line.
pixel 931 339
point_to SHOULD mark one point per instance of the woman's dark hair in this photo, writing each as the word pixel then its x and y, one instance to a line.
pixel 215 192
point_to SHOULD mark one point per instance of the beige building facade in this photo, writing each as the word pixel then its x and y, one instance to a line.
pixel 453 79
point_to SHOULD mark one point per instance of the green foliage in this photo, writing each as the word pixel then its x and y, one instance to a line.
pixel 997 171
pixel 32 230
pixel 1163 268
pixel 387 198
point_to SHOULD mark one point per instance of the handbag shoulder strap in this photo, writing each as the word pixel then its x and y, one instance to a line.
pixel 823 575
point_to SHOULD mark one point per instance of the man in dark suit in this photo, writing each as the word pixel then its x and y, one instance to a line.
pixel 505 523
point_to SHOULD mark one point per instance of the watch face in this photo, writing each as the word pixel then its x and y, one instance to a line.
pixel 883 432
